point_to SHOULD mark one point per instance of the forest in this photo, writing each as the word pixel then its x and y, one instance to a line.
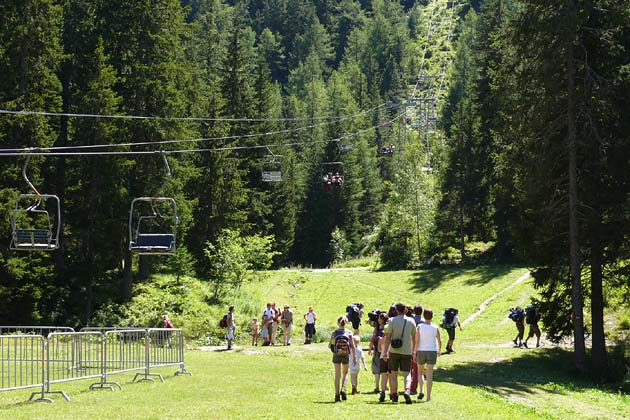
pixel 465 132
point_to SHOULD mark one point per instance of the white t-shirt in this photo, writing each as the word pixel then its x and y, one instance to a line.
pixel 269 313
pixel 428 337
pixel 310 317
pixel 357 366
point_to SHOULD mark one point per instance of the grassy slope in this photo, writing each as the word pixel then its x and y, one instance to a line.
pixel 485 379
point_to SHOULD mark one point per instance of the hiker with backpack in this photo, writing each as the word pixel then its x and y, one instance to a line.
pixel 354 313
pixel 450 320
pixel 532 317
pixel 427 348
pixel 342 346
pixel 400 335
pixel 379 327
pixel 518 316
pixel 231 327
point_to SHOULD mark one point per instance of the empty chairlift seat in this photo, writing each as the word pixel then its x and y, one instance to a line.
pixel 33 239
pixel 154 243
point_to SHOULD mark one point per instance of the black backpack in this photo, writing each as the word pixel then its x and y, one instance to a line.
pixel 449 317
pixel 353 312
pixel 530 314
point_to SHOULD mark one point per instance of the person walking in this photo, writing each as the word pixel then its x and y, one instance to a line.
pixel 231 327
pixel 450 321
pixel 274 324
pixel 168 334
pixel 355 364
pixel 417 318
pixel 373 349
pixel 427 348
pixel 255 329
pixel 518 316
pixel 532 318
pixel 400 335
pixel 287 324
pixel 309 329
pixel 267 324
pixel 342 346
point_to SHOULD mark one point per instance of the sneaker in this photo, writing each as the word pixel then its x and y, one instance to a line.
pixel 515 342
pixel 381 397
pixel 337 398
pixel 376 391
pixel 354 390
pixel 525 344
pixel 420 396
pixel 407 397
pixel 394 398
pixel 343 395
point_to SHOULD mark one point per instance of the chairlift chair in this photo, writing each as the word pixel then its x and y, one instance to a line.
pixel 153 225
pixel 332 175
pixel 387 150
pixel 36 220
pixel 35 223
pixel 346 147
pixel 272 169
pixel 153 222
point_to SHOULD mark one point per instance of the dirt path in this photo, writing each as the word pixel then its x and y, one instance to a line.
pixel 487 302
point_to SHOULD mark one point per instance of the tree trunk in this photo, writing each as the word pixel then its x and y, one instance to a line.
pixel 600 360
pixel 144 267
pixel 574 250
pixel 127 280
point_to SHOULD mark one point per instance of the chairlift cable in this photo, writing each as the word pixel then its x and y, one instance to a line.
pixel 39 152
pixel 9 152
pixel 156 118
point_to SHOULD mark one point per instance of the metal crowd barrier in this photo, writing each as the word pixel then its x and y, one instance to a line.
pixel 96 353
pixel 32 330
pixel 21 361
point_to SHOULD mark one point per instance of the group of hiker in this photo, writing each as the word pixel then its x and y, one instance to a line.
pixel 404 339
pixel 520 316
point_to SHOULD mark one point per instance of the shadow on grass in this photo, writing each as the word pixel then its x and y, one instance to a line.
pixel 543 370
pixel 427 280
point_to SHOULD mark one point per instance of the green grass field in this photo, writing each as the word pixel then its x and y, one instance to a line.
pixel 485 379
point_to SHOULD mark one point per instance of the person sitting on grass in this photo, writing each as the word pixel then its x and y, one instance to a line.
pixel 342 347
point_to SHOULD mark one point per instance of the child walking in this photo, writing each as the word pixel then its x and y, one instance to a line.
pixel 355 364
pixel 255 330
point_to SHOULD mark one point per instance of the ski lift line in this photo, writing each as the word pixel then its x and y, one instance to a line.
pixel 207 139
pixel 155 118
pixel 39 152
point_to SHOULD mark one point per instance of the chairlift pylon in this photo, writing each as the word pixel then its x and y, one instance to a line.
pixel 36 220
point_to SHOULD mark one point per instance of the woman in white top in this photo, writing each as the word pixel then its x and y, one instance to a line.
pixel 426 351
